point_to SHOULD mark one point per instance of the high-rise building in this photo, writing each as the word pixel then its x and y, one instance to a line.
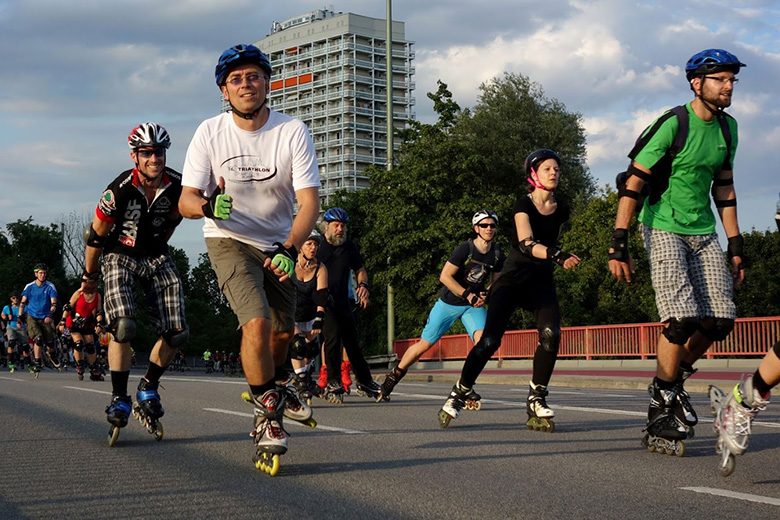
pixel 329 70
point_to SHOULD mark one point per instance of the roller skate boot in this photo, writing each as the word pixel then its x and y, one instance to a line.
pixel 303 387
pixel 148 409
pixel 346 379
pixel 117 413
pixel 453 405
pixel 80 370
pixel 540 416
pixel 333 393
pixel 268 433
pixel 95 374
pixel 371 390
pixel 734 414
pixel 683 408
pixel 665 431
pixel 11 368
pixel 295 408
pixel 391 379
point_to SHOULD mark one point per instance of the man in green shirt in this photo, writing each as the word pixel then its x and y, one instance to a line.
pixel 690 276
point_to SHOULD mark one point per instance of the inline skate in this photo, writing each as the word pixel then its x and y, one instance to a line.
pixel 665 431
pixel 94 373
pixel 268 433
pixel 294 408
pixel 683 408
pixel 148 409
pixel 80 370
pixel 388 385
pixel 734 414
pixel 540 416
pixel 453 405
pixel 302 385
pixel 333 393
pixel 117 413
pixel 371 390
pixel 346 378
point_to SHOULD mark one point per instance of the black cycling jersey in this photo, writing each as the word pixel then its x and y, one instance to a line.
pixel 546 230
pixel 340 260
pixel 475 270
pixel 140 229
pixel 305 308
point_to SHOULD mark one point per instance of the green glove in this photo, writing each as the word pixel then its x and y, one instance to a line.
pixel 283 258
pixel 218 206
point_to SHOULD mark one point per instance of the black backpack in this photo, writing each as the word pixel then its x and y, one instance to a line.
pixel 662 170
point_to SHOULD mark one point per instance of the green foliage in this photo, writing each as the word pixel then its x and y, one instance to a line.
pixel 760 294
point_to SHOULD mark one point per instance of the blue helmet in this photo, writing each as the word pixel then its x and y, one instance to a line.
pixel 335 215
pixel 712 60
pixel 240 54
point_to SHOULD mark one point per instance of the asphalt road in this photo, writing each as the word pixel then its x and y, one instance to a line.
pixel 366 460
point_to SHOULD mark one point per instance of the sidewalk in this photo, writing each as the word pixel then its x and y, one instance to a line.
pixel 609 374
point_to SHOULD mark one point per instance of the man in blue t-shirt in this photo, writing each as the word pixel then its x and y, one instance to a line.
pixel 39 302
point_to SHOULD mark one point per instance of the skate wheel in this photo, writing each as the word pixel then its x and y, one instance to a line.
pixel 728 465
pixel 477 405
pixel 308 401
pixel 679 449
pixel 550 427
pixel 158 432
pixel 268 463
pixel 113 435
pixel 311 422
pixel 246 397
pixel 444 419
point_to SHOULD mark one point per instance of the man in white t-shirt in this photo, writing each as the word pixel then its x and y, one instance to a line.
pixel 243 171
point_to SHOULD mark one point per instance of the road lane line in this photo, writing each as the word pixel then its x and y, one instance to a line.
pixel 12 379
pixel 88 390
pixel 572 408
pixel 346 431
pixel 733 494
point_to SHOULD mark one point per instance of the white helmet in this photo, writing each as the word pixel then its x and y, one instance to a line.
pixel 149 134
pixel 481 215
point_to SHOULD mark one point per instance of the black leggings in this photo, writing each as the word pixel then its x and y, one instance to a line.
pixel 532 293
pixel 340 330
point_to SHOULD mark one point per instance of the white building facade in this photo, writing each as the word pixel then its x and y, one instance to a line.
pixel 329 70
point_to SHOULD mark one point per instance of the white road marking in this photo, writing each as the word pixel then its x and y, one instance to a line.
pixel 733 494
pixel 289 422
pixel 171 379
pixel 88 390
pixel 12 379
pixel 571 408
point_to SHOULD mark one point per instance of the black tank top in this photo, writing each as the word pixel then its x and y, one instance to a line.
pixel 305 308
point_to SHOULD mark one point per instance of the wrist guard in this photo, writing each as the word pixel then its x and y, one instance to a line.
pixel 618 249
pixel 558 256
pixel 218 206
pixel 736 248
pixel 283 258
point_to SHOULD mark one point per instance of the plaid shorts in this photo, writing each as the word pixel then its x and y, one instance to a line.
pixel 158 278
pixel 690 275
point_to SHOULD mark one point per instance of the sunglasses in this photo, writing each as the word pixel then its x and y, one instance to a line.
pixel 485 226
pixel 147 153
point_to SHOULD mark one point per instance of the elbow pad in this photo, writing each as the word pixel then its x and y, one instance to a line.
pixel 321 297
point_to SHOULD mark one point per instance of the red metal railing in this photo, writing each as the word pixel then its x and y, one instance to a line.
pixel 751 337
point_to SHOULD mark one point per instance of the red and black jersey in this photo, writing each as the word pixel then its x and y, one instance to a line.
pixel 140 229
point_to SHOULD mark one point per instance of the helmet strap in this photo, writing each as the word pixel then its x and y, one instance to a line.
pixel 248 115
pixel 534 181
pixel 714 110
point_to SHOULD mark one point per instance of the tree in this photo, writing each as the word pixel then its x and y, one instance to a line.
pixel 760 294
pixel 73 226
pixel 409 220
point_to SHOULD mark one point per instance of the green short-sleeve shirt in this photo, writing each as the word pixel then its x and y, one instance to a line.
pixel 684 208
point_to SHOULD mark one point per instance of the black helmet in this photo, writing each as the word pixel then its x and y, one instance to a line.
pixel 40 266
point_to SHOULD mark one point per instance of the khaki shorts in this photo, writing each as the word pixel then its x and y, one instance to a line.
pixel 251 290
pixel 39 328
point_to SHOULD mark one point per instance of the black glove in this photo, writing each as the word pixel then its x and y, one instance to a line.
pixel 318 319
pixel 470 296
pixel 557 256
pixel 736 247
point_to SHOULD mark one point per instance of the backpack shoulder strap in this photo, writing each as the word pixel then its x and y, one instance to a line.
pixel 682 130
pixel 642 141
pixel 725 128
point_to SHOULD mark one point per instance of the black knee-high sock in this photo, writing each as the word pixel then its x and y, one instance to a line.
pixel 544 363
pixel 119 382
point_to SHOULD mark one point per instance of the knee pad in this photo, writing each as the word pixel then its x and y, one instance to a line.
pixel 679 330
pixel 487 346
pixel 124 329
pixel 313 348
pixel 720 329
pixel 89 348
pixel 38 340
pixel 78 346
pixel 298 347
pixel 176 338
pixel 550 339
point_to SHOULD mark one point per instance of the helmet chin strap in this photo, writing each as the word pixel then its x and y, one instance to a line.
pixel 248 115
pixel 534 181
pixel 714 110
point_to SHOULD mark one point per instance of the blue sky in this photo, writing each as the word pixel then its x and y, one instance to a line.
pixel 77 76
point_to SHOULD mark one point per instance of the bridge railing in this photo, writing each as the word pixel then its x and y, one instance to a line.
pixel 751 337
